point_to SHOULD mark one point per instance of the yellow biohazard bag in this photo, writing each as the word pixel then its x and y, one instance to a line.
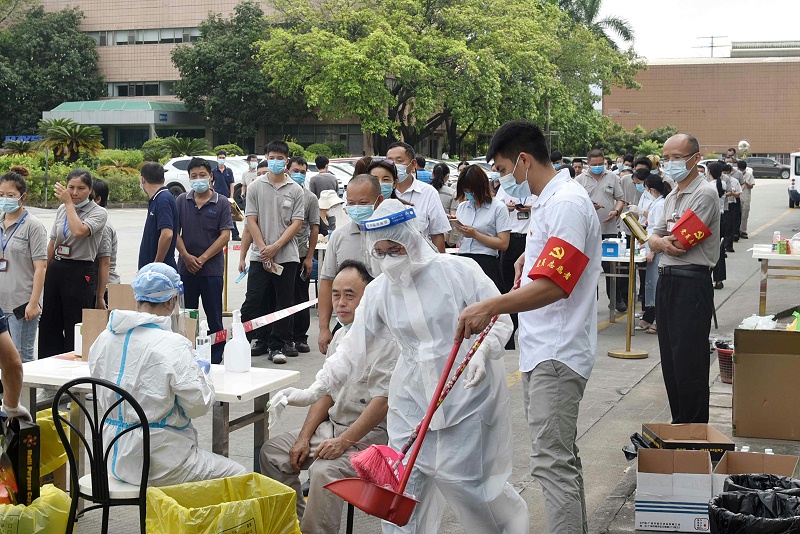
pixel 52 452
pixel 46 515
pixel 244 504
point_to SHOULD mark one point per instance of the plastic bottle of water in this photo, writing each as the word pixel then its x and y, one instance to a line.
pixel 203 347
pixel 776 236
pixel 237 350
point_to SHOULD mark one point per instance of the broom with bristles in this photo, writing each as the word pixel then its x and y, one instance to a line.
pixel 383 466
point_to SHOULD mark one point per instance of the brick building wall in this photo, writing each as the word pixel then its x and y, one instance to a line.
pixel 719 100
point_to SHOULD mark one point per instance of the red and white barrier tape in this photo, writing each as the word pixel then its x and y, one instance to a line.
pixel 264 320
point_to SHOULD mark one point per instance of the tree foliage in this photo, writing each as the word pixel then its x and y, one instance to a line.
pixel 45 59
pixel 68 140
pixel 185 146
pixel 587 12
pixel 408 67
pixel 19 147
pixel 221 80
pixel 613 138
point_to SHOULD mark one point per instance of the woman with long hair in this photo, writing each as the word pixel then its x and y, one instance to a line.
pixel 386 173
pixel 441 172
pixel 658 189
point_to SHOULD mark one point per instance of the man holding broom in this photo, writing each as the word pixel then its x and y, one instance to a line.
pixel 557 305
pixel 335 430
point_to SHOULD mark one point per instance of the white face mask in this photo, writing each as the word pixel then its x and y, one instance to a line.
pixel 395 267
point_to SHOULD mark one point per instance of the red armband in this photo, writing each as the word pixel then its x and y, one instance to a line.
pixel 690 230
pixel 561 262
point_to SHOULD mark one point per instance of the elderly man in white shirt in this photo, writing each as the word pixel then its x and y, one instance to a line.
pixel 431 217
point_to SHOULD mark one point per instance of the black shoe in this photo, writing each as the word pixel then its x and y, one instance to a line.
pixel 237 238
pixel 743 235
pixel 276 356
pixel 289 350
pixel 302 346
pixel 719 285
pixel 729 250
pixel 306 487
pixel 736 238
pixel 259 347
pixel 622 307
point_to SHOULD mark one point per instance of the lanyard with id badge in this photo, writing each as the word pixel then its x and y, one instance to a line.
pixel 4 243
pixel 522 215
pixel 64 251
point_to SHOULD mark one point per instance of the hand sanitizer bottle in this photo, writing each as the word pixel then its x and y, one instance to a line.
pixel 237 350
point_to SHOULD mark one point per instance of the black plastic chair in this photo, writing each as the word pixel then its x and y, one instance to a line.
pixel 98 487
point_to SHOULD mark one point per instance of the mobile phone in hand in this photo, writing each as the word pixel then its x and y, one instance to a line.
pixel 519 206
pixel 19 312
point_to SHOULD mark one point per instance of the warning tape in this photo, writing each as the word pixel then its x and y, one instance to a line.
pixel 264 320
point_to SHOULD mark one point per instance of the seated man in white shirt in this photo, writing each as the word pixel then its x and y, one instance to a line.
pixel 428 207
pixel 335 429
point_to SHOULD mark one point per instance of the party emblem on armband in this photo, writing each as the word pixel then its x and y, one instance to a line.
pixel 561 262
pixel 690 230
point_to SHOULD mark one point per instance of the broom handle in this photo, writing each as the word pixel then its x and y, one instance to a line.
pixel 459 370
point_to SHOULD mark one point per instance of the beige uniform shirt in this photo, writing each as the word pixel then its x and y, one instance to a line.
pixel 25 242
pixel 353 398
pixel 310 218
pixel 702 198
pixel 276 207
pixel 605 191
pixel 80 248
pixel 345 243
pixel 108 249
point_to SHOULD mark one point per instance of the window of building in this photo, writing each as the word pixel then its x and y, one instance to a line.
pixel 137 89
pixel 151 36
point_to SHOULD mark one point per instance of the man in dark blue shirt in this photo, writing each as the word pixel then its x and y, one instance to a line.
pixel 161 228
pixel 204 229
pixel 223 184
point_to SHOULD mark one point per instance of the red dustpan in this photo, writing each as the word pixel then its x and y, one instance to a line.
pixel 384 502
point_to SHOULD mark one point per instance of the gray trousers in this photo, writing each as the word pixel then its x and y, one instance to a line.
pixel 745 216
pixel 552 395
pixel 323 515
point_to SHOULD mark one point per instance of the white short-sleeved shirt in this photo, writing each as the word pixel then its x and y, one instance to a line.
pixel 519 225
pixel 489 218
pixel 749 180
pixel 427 205
pixel 566 330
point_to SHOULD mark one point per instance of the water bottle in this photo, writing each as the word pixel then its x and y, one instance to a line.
pixel 203 348
pixel 745 448
pixel 237 349
pixel 776 236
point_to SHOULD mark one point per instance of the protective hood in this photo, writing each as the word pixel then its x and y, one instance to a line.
pixel 420 250
pixel 122 321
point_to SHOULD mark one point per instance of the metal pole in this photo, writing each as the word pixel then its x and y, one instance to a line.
pixel 628 353
pixel 225 312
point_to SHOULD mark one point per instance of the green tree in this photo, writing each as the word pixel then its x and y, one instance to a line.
pixel 184 146
pixel 68 139
pixel 648 147
pixel 45 59
pixel 586 12
pixel 19 147
pixel 221 80
pixel 409 67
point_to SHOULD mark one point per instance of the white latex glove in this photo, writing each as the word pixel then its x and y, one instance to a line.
pixel 636 210
pixel 276 407
pixel 294 397
pixel 18 412
pixel 476 368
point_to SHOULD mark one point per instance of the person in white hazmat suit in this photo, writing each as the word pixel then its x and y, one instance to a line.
pixel 139 352
pixel 465 460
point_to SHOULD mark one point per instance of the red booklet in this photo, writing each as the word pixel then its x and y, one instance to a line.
pixel 690 230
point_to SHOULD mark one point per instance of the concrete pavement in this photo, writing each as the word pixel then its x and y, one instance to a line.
pixel 620 395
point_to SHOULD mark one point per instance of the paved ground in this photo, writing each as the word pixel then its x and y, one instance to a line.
pixel 620 395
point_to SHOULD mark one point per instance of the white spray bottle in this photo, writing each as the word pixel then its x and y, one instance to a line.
pixel 237 350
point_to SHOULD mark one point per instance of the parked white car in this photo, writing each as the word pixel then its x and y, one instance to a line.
pixel 176 175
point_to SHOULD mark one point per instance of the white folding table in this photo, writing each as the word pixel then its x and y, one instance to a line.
pixel 764 254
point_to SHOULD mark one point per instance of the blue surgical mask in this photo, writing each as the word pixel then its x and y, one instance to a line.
pixel 469 196
pixel 597 169
pixel 386 190
pixel 200 185
pixel 401 172
pixel 677 169
pixel 82 204
pixel 557 166
pixel 253 164
pixel 494 176
pixel 359 213
pixel 640 187
pixel 9 205
pixel 298 177
pixel 221 161
pixel 654 171
pixel 510 185
pixel 626 168
pixel 276 166
pixel 345 327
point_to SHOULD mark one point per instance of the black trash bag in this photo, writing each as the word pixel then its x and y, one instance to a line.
pixel 637 442
pixel 789 486
pixel 754 512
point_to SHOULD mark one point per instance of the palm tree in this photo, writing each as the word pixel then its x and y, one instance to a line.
pixel 67 139
pixel 117 166
pixel 20 148
pixel 184 146
pixel 586 12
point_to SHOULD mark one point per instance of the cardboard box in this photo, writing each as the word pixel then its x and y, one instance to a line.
pixel 692 436
pixel 745 463
pixel 766 399
pixel 673 488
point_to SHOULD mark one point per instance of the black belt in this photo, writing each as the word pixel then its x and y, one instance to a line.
pixel 67 260
pixel 686 271
pixel 516 234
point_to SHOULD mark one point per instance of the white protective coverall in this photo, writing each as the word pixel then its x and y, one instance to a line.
pixel 465 460
pixel 139 353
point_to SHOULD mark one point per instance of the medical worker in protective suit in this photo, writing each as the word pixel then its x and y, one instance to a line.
pixel 465 460
pixel 139 352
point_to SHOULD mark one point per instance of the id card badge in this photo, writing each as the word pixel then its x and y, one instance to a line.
pixel 522 215
pixel 3 265
pixel 64 251
pixel 670 225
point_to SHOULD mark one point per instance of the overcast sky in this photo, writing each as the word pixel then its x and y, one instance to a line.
pixel 670 28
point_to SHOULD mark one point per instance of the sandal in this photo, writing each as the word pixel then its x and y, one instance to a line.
pixel 643 325
pixel 651 330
